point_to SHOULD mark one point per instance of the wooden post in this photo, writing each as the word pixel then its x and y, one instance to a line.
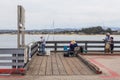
pixel 86 46
pixel 21 26
pixel 55 47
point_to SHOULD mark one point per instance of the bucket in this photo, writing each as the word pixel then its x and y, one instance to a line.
pixel 47 52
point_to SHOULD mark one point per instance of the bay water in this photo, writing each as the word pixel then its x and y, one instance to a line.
pixel 10 41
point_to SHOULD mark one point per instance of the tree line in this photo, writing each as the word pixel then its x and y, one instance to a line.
pixel 90 30
pixel 95 30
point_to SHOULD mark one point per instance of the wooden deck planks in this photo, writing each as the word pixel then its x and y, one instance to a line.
pixel 33 67
pixel 66 66
pixel 49 66
pixel 83 68
pixel 73 67
pixel 42 70
pixel 56 64
pixel 76 64
pixel 37 65
pixel 60 65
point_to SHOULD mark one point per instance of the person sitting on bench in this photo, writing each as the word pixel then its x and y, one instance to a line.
pixel 73 44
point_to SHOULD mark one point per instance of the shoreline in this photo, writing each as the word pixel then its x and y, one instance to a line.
pixel 61 34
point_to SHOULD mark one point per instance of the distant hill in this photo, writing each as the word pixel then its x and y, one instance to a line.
pixel 56 30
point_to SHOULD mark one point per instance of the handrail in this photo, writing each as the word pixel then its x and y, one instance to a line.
pixel 89 46
pixel 19 58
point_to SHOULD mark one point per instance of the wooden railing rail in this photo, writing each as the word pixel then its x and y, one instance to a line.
pixel 15 60
pixel 89 46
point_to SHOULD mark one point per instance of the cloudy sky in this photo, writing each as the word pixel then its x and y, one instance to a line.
pixel 40 14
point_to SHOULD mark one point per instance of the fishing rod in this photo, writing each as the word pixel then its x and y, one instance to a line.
pixel 48 35
pixel 53 29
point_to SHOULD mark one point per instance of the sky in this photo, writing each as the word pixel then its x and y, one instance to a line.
pixel 40 14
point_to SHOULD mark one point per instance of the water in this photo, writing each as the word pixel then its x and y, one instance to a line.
pixel 10 41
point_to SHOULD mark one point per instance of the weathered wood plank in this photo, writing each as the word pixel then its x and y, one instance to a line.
pixel 78 65
pixel 60 65
pixel 73 67
pixel 66 66
pixel 42 70
pixel 54 65
pixel 84 69
pixel 49 66
pixel 37 65
pixel 33 67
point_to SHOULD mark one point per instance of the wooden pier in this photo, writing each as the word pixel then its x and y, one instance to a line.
pixel 56 64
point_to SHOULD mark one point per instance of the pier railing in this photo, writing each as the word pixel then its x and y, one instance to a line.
pixel 16 60
pixel 88 46
pixel 12 60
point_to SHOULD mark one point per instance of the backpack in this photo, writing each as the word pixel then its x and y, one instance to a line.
pixel 66 55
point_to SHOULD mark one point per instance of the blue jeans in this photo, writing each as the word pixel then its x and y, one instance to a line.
pixel 43 48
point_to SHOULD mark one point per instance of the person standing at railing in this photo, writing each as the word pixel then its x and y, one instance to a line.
pixel 43 43
pixel 111 44
pixel 107 43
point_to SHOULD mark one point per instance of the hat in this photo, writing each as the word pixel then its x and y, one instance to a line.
pixel 73 42
pixel 41 36
pixel 108 34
